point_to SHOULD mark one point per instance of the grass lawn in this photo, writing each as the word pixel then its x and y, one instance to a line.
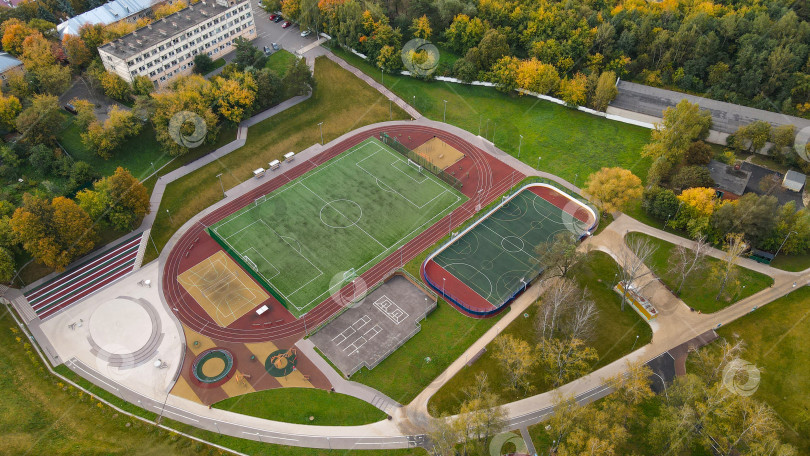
pixel 296 405
pixel 346 214
pixel 41 415
pixel 793 263
pixel 776 335
pixel 703 297
pixel 615 336
pixel 569 143
pixel 280 61
pixel 294 129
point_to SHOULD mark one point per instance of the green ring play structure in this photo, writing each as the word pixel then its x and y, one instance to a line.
pixel 208 355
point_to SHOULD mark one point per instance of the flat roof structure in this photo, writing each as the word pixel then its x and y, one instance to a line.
pixel 728 178
pixel 108 13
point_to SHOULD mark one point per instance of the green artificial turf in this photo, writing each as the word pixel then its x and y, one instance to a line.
pixel 567 142
pixel 345 215
pixel 297 405
pixel 617 334
pixel 700 290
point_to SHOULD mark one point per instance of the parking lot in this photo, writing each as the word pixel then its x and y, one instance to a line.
pixel 269 32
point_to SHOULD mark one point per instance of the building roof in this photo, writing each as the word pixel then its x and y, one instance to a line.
pixel 8 62
pixel 105 14
pixel 727 178
pixel 726 117
pixel 794 180
pixel 146 37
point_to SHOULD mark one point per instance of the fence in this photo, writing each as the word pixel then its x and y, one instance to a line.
pixel 250 270
pixel 421 161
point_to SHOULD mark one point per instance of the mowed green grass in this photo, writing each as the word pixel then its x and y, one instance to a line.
pixel 569 143
pixel 348 213
pixel 699 291
pixel 617 334
pixel 497 256
pixel 280 61
pixel 776 337
pixel 296 405
pixel 341 101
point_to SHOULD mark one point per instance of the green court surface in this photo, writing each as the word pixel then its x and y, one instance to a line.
pixel 306 238
pixel 496 258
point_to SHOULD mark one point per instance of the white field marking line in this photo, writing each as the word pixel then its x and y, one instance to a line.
pixel 424 177
pixel 470 279
pixel 239 231
pixel 167 410
pixel 344 215
pixel 552 207
pixel 263 258
pixel 394 247
pixel 244 287
pixel 441 186
pixel 320 272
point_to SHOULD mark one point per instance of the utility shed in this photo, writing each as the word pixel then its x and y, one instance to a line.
pixel 794 180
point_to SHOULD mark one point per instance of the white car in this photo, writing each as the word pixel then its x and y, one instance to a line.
pixel 306 32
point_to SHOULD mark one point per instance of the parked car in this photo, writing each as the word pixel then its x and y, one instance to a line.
pixel 286 24
pixel 267 50
pixel 273 17
pixel 306 32
pixel 276 47
pixel 71 109
pixel 278 18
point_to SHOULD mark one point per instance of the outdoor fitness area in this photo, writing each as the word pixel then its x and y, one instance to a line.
pixel 307 239
pixel 483 268
pixel 377 325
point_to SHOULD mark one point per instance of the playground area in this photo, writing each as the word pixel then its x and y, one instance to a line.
pixel 439 153
pixel 483 268
pixel 377 325
pixel 308 238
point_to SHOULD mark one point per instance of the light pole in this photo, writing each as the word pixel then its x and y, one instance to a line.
pixel 444 116
pixel 382 76
pixel 444 281
pixel 538 163
pixel 520 144
pixel 320 127
pixel 219 176
pixel 170 217
pixel 634 343
pixel 783 243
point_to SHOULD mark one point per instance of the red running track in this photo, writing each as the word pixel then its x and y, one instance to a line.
pixel 484 179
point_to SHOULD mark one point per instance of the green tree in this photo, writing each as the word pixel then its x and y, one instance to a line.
pixel 613 188
pixel 699 153
pixel 107 137
pixel 751 137
pixel 681 126
pixel 143 86
pixel 752 215
pixel 504 73
pixel 420 27
pixel 119 200
pixel 605 92
pixel 565 359
pixel 574 91
pixel 203 64
pixel 464 33
pixel 115 87
pixel 517 358
pixel 268 88
pixel 40 122
pixel 86 112
pixel 298 80
pixel 692 176
pixel 10 108
pixel 6 265
pixel 492 47
pixel 558 256
pixel 247 55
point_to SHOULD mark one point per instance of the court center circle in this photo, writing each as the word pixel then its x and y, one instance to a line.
pixel 512 244
pixel 341 213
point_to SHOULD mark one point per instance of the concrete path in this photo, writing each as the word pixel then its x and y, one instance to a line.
pixel 524 432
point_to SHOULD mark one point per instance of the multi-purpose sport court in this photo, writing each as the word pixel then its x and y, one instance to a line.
pixel 306 239
pixel 482 268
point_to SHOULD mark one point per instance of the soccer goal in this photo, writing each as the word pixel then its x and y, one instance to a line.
pixel 415 165
pixel 260 200
pixel 349 275
pixel 250 263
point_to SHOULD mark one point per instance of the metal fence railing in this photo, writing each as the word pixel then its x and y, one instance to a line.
pixel 448 178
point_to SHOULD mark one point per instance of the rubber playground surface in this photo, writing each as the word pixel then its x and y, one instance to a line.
pixel 311 236
pixel 483 268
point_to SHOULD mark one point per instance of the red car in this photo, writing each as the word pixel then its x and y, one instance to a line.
pixel 286 24
pixel 273 17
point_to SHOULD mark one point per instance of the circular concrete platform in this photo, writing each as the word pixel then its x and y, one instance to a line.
pixel 120 326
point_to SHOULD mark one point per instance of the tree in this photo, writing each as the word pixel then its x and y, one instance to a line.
pixel 632 261
pixel 492 47
pixel 235 96
pixel 574 91
pixel 10 108
pixel 120 199
pixel 558 256
pixel 310 15
pixel 771 183
pixel 143 86
pixel 517 358
pixel 77 52
pixel 751 137
pixel 613 188
pixel 480 417
pixel 605 92
pixel 783 137
pixel 107 137
pixel 271 6
pixel 660 202
pixel 53 232
pixel 465 70
pixel 565 312
pixel 166 9
pixel 696 208
pixel 464 33
pixel 420 28
pixel 792 230
pixel 268 88
pixel 688 261
pixel 504 73
pixel 14 33
pixel 298 80
pixel 17 84
pixel 86 112
pixel 187 93
pixel 114 86
pixel 81 174
pixel 536 76
pixel 388 58
pixel 692 176
pixel 752 215
pixel 6 265
pixel 726 271
pixel 633 385
pixel 681 125
pixel 565 359
pixel 41 157
pixel 699 153
pixel 40 122
pixel 291 9
pixel 203 64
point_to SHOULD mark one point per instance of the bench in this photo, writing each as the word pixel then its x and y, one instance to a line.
pixel 262 310
pixel 274 164
pixel 289 156
pixel 257 173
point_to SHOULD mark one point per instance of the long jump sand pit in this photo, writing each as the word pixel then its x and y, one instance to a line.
pixel 439 153
pixel 222 288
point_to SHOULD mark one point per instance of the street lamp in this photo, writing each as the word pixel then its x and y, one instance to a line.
pixel 219 176
pixel 444 281
pixel 320 127
pixel 783 243
pixel 538 163
pixel 634 343
pixel 444 117
pixel 520 144
pixel 170 217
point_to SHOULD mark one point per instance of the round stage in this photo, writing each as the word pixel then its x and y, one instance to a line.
pixel 120 326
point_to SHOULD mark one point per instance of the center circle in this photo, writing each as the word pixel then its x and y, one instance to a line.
pixel 341 213
pixel 512 244
pixel 120 326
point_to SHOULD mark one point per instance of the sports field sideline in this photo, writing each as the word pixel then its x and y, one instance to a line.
pixel 344 215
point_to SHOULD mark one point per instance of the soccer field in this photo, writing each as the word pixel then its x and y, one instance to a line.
pixel 348 213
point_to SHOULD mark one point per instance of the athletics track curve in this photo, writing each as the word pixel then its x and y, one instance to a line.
pixel 488 178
